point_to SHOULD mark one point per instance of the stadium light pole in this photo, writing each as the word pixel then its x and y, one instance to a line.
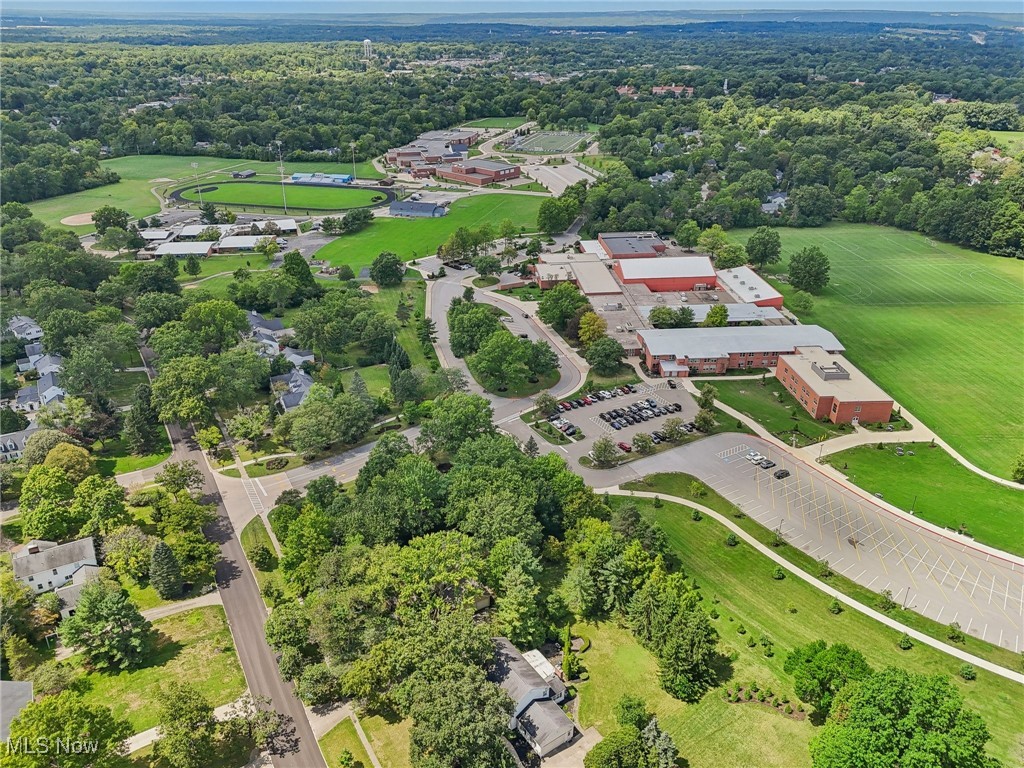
pixel 352 146
pixel 195 170
pixel 280 167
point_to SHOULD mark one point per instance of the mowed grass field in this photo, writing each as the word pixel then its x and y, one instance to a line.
pixel 139 174
pixel 496 122
pixel 1011 142
pixel 936 326
pixel 713 733
pixel 938 489
pixel 298 196
pixel 418 238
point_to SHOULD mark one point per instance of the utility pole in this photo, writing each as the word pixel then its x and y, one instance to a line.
pixel 195 170
pixel 280 167
pixel 352 145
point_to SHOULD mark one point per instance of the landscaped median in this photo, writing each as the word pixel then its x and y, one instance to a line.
pixel 340 739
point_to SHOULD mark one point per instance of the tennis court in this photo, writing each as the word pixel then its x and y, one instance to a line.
pixel 549 142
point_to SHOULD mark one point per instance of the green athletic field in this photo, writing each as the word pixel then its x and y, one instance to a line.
pixel 1011 142
pixel 139 174
pixel 299 197
pixel 937 326
pixel 417 238
pixel 496 122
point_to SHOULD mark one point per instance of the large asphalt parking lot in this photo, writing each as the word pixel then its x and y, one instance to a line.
pixel 941 576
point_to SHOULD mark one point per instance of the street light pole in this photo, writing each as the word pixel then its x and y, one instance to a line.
pixel 352 145
pixel 280 167
pixel 195 170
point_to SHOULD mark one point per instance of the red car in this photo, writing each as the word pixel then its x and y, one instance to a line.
pixel 626 447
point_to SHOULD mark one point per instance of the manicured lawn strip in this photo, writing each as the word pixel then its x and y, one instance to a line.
pixel 710 733
pixel 523 390
pixel 496 122
pixel 253 534
pixel 678 484
pixel 389 739
pixel 770 405
pixel 193 647
pixel 939 489
pixel 525 293
pixel 115 458
pixel 417 238
pixel 297 195
pixel 549 433
pixel 260 470
pixel 343 737
pixel 740 577
pixel 125 382
pixel 146 597
pixel 929 323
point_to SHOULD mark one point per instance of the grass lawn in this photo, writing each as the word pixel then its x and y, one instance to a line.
pixel 123 389
pixel 496 122
pixel 792 613
pixel 253 534
pixel 375 376
pixel 227 753
pixel 530 186
pixel 386 300
pixel 259 193
pixel 776 410
pixel 525 293
pixel 223 262
pixel 115 458
pixel 929 322
pixel 939 489
pixel 523 390
pixel 260 470
pixel 343 737
pixel 193 647
pixel 146 597
pixel 1012 142
pixel 485 282
pixel 603 163
pixel 389 739
pixel 415 238
pixel 678 484
pixel 549 433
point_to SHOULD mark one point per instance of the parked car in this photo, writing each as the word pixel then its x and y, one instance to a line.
pixel 781 474
pixel 671 383
pixel 766 464
pixel 626 447
pixel 616 426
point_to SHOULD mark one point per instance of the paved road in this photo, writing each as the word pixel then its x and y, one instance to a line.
pixel 246 616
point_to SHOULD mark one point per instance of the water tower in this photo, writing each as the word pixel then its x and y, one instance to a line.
pixel 367 49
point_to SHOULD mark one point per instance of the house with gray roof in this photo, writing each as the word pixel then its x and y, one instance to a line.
pixel 33 352
pixel 775 203
pixel 71 591
pixel 12 445
pixel 267 333
pixel 293 387
pixel 535 712
pixel 45 391
pixel 47 565
pixel 14 695
pixel 25 328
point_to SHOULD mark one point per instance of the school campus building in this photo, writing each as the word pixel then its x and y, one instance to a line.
pixel 829 386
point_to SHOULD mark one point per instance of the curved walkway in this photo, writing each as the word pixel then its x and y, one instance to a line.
pixel 768 552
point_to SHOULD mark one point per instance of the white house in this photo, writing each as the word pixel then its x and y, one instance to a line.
pixel 47 565
pixel 71 591
pixel 25 328
pixel 12 445
pixel 45 391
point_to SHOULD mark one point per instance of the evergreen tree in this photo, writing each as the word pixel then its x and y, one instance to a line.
pixel 358 389
pixel 532 450
pixel 164 571
pixel 107 627
pixel 518 609
pixel 192 265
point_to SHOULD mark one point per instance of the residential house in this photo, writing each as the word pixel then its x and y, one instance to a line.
pixel 661 178
pixel 775 203
pixel 33 352
pixel 293 387
pixel 267 333
pixel 298 357
pixel 12 445
pixel 43 392
pixel 14 695
pixel 535 711
pixel 71 591
pixel 47 565
pixel 25 328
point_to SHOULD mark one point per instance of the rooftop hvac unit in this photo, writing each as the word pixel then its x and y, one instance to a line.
pixel 757 295
pixel 743 282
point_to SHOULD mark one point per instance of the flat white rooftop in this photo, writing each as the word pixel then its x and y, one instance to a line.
pixel 193 230
pixel 667 267
pixel 155 234
pixel 595 278
pixel 241 241
pixel 184 249
pixel 746 285
pixel 834 375
pixel 708 343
